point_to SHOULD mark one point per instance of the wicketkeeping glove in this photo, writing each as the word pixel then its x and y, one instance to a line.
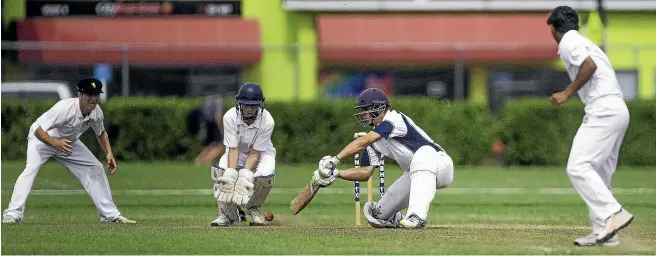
pixel 226 185
pixel 243 187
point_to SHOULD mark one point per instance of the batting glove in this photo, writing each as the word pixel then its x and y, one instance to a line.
pixel 318 180
pixel 328 162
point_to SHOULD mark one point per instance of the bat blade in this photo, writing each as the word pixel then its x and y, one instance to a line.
pixel 303 198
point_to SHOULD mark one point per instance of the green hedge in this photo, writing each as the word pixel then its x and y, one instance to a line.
pixel 308 131
pixel 139 129
pixel 536 133
pixel 145 129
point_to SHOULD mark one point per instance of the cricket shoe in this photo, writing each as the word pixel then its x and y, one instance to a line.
pixel 7 219
pixel 221 221
pixel 614 223
pixel 591 240
pixel 121 219
pixel 413 221
pixel 257 218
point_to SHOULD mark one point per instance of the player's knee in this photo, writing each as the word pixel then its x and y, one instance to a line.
pixel 96 173
pixel 445 174
pixel 375 220
pixel 381 212
pixel 97 165
pixel 577 168
pixel 265 171
pixel 385 210
pixel 32 168
pixel 444 179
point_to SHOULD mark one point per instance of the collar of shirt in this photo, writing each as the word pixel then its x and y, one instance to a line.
pixel 387 116
pixel 78 111
pixel 566 37
pixel 255 124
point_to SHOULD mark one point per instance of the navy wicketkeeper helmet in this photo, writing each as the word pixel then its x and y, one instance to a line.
pixel 250 102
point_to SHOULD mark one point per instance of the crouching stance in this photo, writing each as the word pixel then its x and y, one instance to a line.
pixel 245 174
pixel 426 165
pixel 56 134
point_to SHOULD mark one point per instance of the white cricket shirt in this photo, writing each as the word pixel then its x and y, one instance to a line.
pixel 244 137
pixel 573 50
pixel 64 120
pixel 401 138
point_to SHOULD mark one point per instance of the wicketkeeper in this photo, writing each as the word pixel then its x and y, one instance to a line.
pixel 245 174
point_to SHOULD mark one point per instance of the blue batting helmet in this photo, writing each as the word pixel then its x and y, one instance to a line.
pixel 373 102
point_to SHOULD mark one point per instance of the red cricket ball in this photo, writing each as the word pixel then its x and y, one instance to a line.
pixel 268 216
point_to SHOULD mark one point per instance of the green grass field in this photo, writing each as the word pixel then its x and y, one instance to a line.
pixel 486 211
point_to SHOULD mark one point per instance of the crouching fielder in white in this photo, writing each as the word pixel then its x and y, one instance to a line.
pixel 426 165
pixel 245 174
pixel 593 156
pixel 56 134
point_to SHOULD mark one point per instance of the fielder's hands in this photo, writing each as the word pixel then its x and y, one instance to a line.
pixel 243 187
pixel 226 185
pixel 559 98
pixel 63 146
pixel 111 164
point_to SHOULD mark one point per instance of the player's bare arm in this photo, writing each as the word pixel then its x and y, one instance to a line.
pixel 358 145
pixel 231 141
pixel 253 158
pixel 62 145
pixel 586 71
pixel 219 123
pixel 362 173
pixel 103 140
pixel 588 68
pixel 233 155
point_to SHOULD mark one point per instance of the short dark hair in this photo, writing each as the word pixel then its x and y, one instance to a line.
pixel 563 19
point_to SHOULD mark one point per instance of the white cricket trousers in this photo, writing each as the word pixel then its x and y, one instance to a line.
pixel 265 167
pixel 593 157
pixel 84 166
pixel 415 189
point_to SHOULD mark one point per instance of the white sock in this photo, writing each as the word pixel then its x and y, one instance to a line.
pixel 422 192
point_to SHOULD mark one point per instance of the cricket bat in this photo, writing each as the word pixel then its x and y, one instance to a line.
pixel 304 198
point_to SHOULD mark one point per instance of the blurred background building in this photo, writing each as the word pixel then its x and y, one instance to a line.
pixel 482 51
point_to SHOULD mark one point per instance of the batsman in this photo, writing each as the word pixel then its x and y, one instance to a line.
pixel 426 166
pixel 245 174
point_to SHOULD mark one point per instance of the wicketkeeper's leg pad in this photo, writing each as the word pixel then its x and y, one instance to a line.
pixel 215 173
pixel 229 209
pixel 262 188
